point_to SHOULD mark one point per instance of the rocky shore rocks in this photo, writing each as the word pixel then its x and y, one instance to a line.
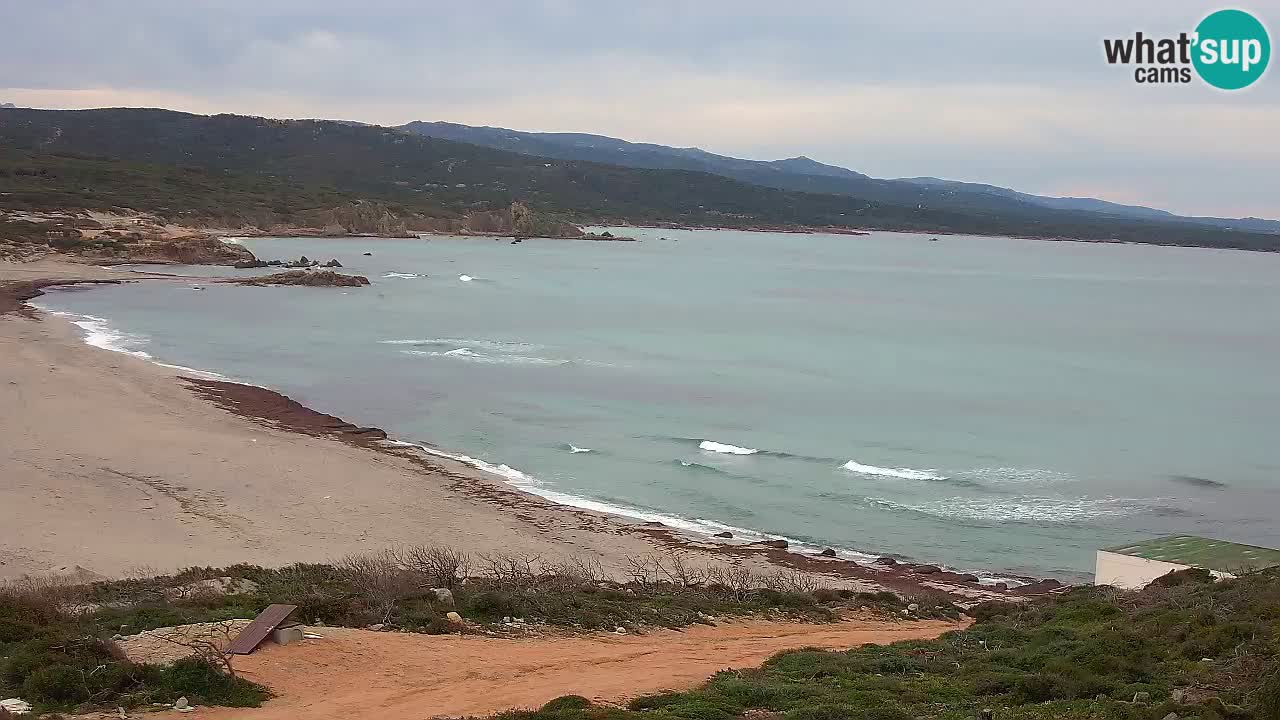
pixel 320 278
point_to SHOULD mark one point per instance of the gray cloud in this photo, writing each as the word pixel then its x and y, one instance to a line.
pixel 1006 92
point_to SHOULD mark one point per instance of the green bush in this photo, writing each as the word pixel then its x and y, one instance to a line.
pixel 196 678
pixel 567 702
pixel 55 685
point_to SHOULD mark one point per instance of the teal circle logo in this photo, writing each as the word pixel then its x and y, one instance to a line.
pixel 1231 49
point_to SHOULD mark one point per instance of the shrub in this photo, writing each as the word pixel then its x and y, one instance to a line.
pixel 55 685
pixel 197 678
pixel 986 611
pixel 567 702
pixel 1183 577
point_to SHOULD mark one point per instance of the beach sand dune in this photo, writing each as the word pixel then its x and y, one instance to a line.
pixel 357 673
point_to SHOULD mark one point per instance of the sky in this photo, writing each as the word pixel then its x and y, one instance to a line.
pixel 1006 92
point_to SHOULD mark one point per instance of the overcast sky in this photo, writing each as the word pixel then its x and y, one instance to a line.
pixel 1007 92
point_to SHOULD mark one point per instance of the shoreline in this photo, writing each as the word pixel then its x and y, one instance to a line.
pixel 266 407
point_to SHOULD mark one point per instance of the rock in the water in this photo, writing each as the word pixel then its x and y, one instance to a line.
pixel 444 595
pixel 332 263
pixel 321 278
pixel 778 544
pixel 967 577
pixel 248 264
pixel 925 569
pixel 725 534
pixel 454 618
pixel 827 552
pixel 886 561
pixel 368 254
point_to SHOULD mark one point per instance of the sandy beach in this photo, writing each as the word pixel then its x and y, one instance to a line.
pixel 115 466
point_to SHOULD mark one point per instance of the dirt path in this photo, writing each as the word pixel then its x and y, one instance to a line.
pixel 356 673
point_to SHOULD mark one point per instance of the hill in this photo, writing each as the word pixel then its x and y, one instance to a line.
pixel 232 166
pixel 802 173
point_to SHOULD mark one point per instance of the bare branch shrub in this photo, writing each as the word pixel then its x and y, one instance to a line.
pixel 439 566
pixel 379 577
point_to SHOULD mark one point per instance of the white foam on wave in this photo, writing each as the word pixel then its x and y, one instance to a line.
pixel 725 448
pixel 470 355
pixel 904 473
pixel 1038 510
pixel 403 276
pixel 465 278
pixel 495 345
pixel 1018 476
pixel 99 333
pixel 699 526
pixel 574 449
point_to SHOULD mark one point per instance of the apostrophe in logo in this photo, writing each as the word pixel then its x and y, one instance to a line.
pixel 1232 49
pixel 1229 50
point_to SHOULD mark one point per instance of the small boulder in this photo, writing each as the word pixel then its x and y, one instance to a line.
pixel 925 569
pixel 376 627
pixel 725 534
pixel 1142 697
pixel 444 595
pixel 886 561
pixel 332 263
pixel 620 630
pixel 777 544
pixel 913 607
pixel 827 552
pixel 1171 716
pixel 1177 695
pixel 181 703
pixel 454 617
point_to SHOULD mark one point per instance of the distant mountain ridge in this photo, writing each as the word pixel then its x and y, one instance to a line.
pixel 241 169
pixel 805 174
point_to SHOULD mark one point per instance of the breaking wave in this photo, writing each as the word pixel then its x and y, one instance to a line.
pixel 574 449
pixel 404 276
pixel 725 448
pixel 494 345
pixel 1027 510
pixel 464 353
pixel 904 473
pixel 99 333
pixel 700 526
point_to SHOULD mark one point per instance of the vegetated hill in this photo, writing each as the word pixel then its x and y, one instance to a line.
pixel 802 173
pixel 1094 205
pixel 1185 647
pixel 299 163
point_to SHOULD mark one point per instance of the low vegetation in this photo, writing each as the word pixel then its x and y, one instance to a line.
pixel 1186 646
pixel 56 639
pixel 258 171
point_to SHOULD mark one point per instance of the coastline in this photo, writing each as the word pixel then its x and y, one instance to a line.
pixel 484 514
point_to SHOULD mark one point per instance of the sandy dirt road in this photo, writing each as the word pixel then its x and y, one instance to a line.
pixel 356 673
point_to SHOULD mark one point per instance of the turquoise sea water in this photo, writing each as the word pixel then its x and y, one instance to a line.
pixel 991 404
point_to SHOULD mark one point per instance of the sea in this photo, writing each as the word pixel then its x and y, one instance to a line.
pixel 997 405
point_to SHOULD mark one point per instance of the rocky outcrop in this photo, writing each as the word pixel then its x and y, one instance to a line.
pixel 190 250
pixel 321 278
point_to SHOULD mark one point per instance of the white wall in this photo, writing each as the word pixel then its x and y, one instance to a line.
pixel 1126 571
